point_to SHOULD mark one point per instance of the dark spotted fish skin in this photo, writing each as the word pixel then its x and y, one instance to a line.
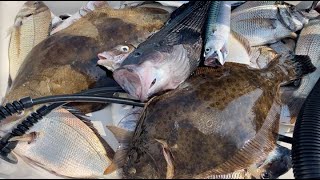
pixel 218 122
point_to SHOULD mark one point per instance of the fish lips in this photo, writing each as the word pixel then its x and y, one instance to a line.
pixel 212 62
pixel 134 80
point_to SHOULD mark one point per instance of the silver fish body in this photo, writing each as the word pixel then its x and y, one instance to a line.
pixel 217 32
pixel 265 24
pixel 32 25
pixel 251 4
pixel 308 44
pixel 241 52
pixel 67 147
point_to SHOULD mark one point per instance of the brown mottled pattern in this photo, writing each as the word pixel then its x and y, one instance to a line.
pixel 217 122
pixel 66 62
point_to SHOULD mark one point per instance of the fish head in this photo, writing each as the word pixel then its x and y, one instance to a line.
pixel 140 170
pixel 277 163
pixel 147 72
pixel 292 18
pixel 147 162
pixel 215 51
pixel 113 58
pixel 31 8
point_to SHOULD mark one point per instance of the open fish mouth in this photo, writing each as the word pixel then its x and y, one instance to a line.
pixel 212 62
pixel 130 81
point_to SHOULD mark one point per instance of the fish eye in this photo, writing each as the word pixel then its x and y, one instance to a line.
pixel 207 50
pixel 132 171
pixel 28 15
pixel 125 48
pixel 265 175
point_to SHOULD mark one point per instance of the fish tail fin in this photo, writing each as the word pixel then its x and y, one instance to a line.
pixel 294 106
pixel 118 161
pixel 294 68
pixel 302 65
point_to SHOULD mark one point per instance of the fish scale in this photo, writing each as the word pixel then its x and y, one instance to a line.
pixel 198 122
pixel 267 23
pixel 213 16
pixel 32 30
pixel 65 63
pixel 308 44
pixel 67 147
pixel 144 72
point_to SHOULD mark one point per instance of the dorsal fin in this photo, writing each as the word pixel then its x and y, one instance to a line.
pixel 76 112
pixel 122 135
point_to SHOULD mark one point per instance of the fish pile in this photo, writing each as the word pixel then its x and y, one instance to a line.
pixel 218 121
pixel 61 66
pixel 209 126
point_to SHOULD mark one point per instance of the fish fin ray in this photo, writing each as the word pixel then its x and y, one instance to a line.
pixel 303 65
pixel 76 112
pixel 294 105
pixel 118 161
pixel 168 157
pixel 122 135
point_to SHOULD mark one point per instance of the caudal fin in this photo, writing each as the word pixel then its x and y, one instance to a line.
pixel 302 66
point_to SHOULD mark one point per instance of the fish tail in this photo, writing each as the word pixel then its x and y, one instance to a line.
pixel 302 65
pixel 294 105
pixel 292 68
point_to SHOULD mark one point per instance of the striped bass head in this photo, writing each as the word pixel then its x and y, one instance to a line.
pixel 157 71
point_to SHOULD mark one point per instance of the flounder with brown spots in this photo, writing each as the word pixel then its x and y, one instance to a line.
pixel 218 122
pixel 65 62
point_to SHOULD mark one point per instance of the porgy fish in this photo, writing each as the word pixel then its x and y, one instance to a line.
pixel 308 44
pixel 67 145
pixel 217 122
pixel 267 24
pixel 168 57
pixel 65 63
pixel 31 26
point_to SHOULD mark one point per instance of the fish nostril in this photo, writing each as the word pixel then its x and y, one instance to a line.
pixel 153 82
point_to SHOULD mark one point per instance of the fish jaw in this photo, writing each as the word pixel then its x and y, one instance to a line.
pixel 112 59
pixel 216 50
pixel 158 72
pixel 138 80
pixel 108 60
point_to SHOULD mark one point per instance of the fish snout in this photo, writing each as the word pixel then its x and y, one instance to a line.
pixel 136 81
pixel 105 56
pixel 215 59
pixel 107 60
